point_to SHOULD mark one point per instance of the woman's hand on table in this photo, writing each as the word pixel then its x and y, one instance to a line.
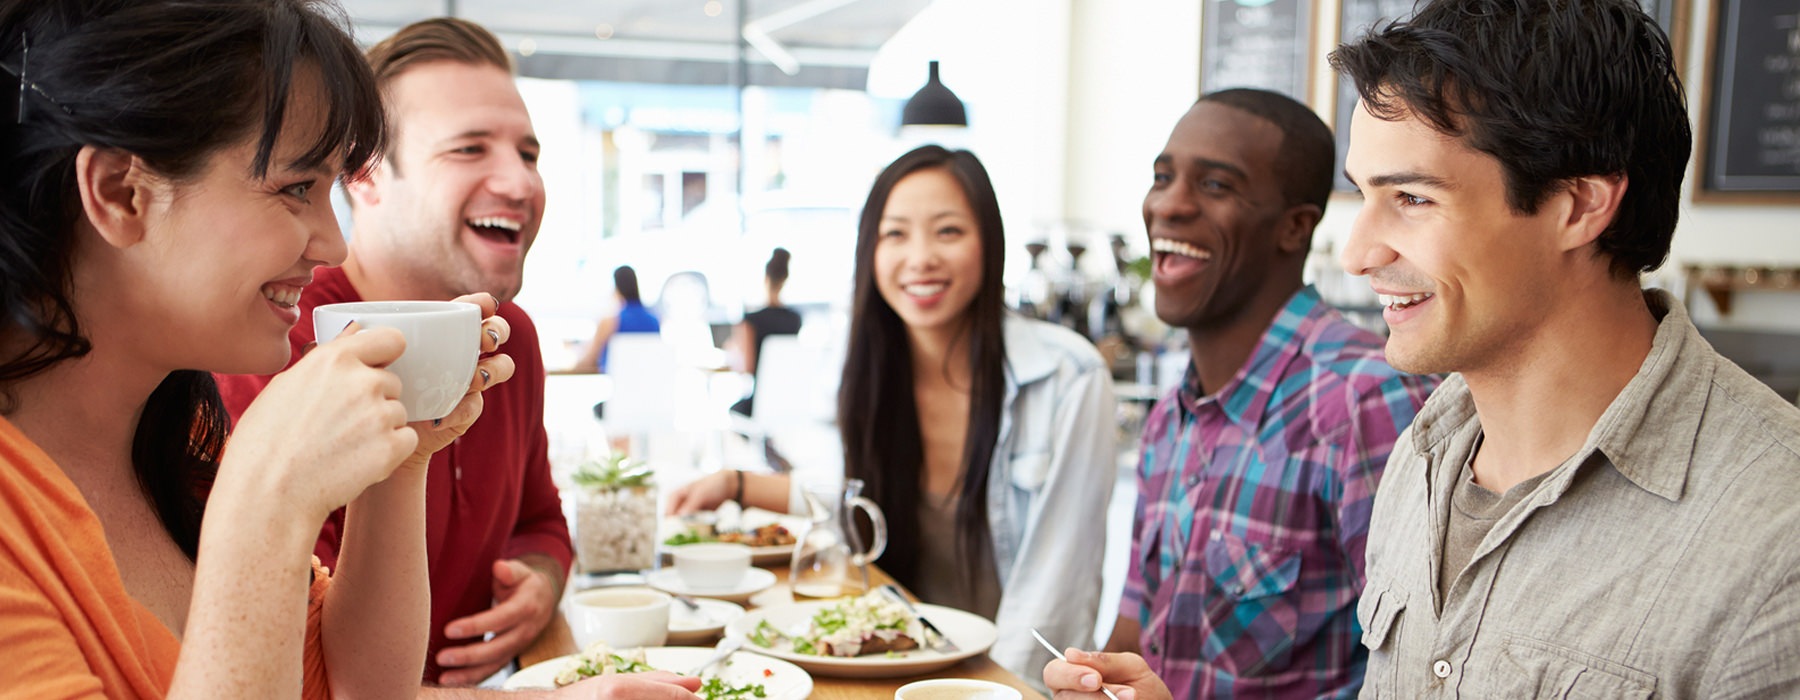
pixel 656 685
pixel 704 493
pixel 1126 674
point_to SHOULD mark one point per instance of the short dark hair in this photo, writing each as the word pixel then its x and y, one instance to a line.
pixel 1554 90
pixel 625 282
pixel 173 83
pixel 1307 152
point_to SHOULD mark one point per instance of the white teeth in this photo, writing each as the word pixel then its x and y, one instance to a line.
pixel 1400 302
pixel 924 290
pixel 282 296
pixel 495 222
pixel 1170 245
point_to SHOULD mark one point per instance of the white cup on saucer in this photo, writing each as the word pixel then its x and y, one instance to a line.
pixel 621 617
pixel 443 341
pixel 712 566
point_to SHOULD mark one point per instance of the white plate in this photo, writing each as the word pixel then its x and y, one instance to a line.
pixel 755 581
pixel 776 555
pixel 784 681
pixel 699 627
pixel 973 634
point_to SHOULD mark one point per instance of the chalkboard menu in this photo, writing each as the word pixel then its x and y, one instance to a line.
pixel 1256 43
pixel 1355 20
pixel 1753 120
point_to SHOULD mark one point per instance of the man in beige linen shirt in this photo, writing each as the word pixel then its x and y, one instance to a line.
pixel 1597 505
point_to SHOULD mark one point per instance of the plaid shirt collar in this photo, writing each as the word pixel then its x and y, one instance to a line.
pixel 1246 396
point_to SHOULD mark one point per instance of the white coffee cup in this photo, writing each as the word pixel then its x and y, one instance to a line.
pixel 956 689
pixel 621 617
pixel 712 566
pixel 443 342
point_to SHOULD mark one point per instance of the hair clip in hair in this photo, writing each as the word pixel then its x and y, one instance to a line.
pixel 25 79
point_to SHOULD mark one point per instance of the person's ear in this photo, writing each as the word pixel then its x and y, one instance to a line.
pixel 362 191
pixel 116 193
pixel 1593 205
pixel 1297 227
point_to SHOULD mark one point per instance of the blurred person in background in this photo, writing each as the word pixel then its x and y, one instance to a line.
pixel 633 317
pixel 988 439
pixel 772 319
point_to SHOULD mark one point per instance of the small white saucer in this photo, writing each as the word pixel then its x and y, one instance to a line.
pixel 690 627
pixel 755 581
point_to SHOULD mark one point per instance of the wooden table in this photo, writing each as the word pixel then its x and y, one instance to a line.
pixel 558 640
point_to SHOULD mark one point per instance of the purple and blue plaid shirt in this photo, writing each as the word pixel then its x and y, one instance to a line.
pixel 1253 508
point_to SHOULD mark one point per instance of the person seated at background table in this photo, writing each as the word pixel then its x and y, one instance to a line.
pixel 163 201
pixel 988 439
pixel 633 317
pixel 1597 504
pixel 1257 471
pixel 774 319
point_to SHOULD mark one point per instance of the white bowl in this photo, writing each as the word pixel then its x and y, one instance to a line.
pixel 956 689
pixel 712 566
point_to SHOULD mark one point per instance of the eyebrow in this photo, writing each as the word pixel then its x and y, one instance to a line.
pixel 1206 164
pixel 530 139
pixel 933 217
pixel 1404 178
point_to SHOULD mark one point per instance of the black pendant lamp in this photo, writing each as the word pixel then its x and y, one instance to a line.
pixel 934 105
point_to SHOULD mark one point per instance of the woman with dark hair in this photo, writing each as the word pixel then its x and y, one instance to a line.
pixel 163 176
pixel 633 317
pixel 987 438
pixel 773 319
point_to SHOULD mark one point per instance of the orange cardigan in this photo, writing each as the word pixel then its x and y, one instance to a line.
pixel 68 629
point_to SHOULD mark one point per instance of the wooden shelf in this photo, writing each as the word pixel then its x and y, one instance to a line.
pixel 1721 282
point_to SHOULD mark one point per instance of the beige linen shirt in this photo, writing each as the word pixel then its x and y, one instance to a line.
pixel 1662 560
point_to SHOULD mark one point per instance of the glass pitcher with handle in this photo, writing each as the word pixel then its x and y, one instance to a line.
pixel 829 560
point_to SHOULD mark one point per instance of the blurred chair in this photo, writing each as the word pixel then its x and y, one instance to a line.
pixel 643 368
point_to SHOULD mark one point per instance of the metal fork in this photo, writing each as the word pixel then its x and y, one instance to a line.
pixel 725 648
pixel 942 643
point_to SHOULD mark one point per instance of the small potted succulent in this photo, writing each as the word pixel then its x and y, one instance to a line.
pixel 615 515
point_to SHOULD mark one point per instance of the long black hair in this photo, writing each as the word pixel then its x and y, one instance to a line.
pixel 173 83
pixel 877 417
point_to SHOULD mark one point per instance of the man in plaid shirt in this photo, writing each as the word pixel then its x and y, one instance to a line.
pixel 1259 470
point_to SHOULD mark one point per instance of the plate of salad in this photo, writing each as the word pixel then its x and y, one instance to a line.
pixel 741 676
pixel 860 637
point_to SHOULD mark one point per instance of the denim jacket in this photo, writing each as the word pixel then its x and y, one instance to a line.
pixel 1049 487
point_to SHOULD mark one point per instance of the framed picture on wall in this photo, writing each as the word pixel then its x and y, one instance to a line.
pixel 1257 43
pixel 1749 139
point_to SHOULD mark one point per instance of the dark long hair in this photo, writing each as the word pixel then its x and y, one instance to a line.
pixel 877 417
pixel 173 83
pixel 1554 90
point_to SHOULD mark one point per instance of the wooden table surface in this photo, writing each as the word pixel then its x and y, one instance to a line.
pixel 558 640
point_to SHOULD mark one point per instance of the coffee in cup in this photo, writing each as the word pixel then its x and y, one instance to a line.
pixel 621 617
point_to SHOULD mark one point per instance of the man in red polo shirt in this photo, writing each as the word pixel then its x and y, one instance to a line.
pixel 452 209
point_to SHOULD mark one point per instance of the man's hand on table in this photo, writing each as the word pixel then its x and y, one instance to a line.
pixel 1127 674
pixel 524 601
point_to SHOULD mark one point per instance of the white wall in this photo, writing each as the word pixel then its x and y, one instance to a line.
pixel 1133 71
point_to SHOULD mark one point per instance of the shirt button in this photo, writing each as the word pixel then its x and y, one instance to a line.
pixel 1441 668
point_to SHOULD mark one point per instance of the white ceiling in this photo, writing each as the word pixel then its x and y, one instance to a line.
pixel 825 42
